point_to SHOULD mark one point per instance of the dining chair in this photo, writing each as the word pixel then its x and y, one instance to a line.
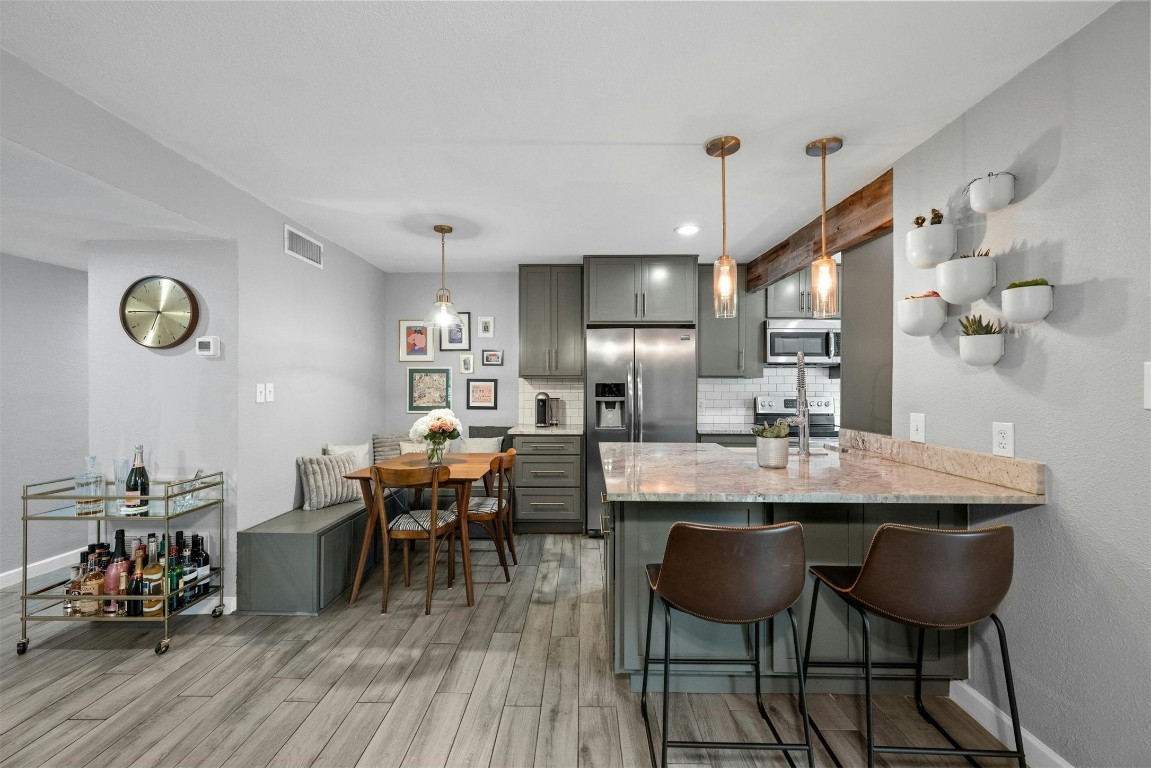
pixel 493 513
pixel 410 523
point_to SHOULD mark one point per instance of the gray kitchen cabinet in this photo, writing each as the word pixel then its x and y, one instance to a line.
pixel 551 320
pixel 728 440
pixel 549 480
pixel 640 289
pixel 731 347
pixel 791 296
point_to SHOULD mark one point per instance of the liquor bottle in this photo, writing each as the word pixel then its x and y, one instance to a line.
pixel 122 589
pixel 175 580
pixel 103 555
pixel 90 485
pixel 201 562
pixel 150 549
pixel 136 588
pixel 72 588
pixel 154 583
pixel 136 487
pixel 118 564
pixel 187 592
pixel 179 543
pixel 91 584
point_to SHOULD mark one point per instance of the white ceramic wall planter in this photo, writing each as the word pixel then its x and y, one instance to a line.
pixel 921 317
pixel 991 193
pixel 981 350
pixel 1028 303
pixel 962 281
pixel 931 245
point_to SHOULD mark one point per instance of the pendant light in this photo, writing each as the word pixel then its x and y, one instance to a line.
pixel 443 314
pixel 824 277
pixel 724 276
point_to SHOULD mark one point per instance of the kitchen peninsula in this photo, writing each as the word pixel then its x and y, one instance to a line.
pixel 840 498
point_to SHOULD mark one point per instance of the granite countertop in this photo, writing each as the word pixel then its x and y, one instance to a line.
pixel 531 429
pixel 707 472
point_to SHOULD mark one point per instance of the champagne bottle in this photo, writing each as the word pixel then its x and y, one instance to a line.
pixel 136 588
pixel 119 564
pixel 137 486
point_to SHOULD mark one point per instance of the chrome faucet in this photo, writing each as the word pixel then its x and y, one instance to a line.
pixel 801 418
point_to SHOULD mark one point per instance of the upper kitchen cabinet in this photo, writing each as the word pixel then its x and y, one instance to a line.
pixel 640 289
pixel 731 347
pixel 551 320
pixel 791 296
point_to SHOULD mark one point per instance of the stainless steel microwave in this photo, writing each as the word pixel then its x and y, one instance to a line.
pixel 817 339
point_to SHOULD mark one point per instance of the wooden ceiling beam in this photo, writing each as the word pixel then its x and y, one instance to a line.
pixel 862 216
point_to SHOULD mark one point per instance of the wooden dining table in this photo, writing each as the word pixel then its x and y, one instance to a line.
pixel 465 468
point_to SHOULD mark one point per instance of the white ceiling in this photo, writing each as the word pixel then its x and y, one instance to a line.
pixel 541 130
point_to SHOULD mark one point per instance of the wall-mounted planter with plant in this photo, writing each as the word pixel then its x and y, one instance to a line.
pixel 931 245
pixel 1027 301
pixel 966 279
pixel 921 315
pixel 992 192
pixel 982 341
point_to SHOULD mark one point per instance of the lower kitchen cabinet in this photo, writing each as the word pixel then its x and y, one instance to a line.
pixel 549 482
pixel 728 440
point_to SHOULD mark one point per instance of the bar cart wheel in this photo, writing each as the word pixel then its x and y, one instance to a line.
pixel 217 612
pixel 161 647
pixel 21 647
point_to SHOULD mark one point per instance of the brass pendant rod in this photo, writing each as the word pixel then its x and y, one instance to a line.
pixel 823 223
pixel 443 258
pixel 723 194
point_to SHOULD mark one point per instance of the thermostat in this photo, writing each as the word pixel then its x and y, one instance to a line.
pixel 208 346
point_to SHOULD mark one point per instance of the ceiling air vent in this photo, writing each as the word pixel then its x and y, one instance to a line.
pixel 303 247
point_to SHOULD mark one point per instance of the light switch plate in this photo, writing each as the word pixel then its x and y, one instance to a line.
pixel 918 428
pixel 269 392
pixel 1003 438
pixel 260 394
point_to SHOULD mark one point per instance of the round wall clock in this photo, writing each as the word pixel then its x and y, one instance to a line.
pixel 158 312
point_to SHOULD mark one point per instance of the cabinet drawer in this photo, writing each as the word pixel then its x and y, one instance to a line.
pixel 528 446
pixel 542 504
pixel 547 470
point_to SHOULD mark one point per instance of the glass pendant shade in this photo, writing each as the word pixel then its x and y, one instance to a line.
pixel 824 287
pixel 724 287
pixel 443 313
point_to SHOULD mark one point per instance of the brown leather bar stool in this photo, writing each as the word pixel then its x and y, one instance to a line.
pixel 731 576
pixel 929 579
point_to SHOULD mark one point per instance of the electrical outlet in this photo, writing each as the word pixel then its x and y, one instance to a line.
pixel 918 428
pixel 260 393
pixel 1003 438
pixel 269 393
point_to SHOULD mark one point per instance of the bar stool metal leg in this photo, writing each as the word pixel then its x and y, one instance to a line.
pixel 867 687
pixel 666 679
pixel 1010 691
pixel 802 689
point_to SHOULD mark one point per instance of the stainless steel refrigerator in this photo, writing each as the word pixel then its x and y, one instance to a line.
pixel 639 387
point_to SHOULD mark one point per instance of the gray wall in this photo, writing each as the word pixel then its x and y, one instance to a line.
pixel 488 294
pixel 865 384
pixel 43 395
pixel 1074 127
pixel 319 335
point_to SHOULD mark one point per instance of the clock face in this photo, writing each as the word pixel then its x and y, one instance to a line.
pixel 158 312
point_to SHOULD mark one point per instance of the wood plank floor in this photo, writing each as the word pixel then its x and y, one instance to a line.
pixel 520 679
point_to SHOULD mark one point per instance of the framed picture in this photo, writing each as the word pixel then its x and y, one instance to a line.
pixel 457 338
pixel 486 328
pixel 482 393
pixel 428 389
pixel 492 357
pixel 416 342
pixel 467 363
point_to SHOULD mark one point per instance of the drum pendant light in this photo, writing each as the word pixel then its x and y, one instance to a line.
pixel 443 314
pixel 824 277
pixel 724 277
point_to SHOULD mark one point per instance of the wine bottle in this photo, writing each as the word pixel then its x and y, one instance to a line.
pixel 118 564
pixel 202 564
pixel 154 582
pixel 137 487
pixel 136 588
pixel 122 589
pixel 175 579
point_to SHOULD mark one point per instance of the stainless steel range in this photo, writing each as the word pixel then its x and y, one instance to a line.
pixel 821 412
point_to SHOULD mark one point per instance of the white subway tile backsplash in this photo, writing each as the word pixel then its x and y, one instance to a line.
pixel 730 401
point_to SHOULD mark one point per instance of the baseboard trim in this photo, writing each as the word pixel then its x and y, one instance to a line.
pixel 208 606
pixel 41 567
pixel 998 724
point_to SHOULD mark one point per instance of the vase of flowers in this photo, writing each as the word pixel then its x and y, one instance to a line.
pixel 436 428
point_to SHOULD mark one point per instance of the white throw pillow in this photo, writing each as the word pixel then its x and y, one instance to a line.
pixel 361 454
pixel 412 446
pixel 323 481
pixel 479 444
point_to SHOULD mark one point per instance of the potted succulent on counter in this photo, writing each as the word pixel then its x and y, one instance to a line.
pixel 922 314
pixel 1027 301
pixel 966 279
pixel 771 444
pixel 982 340
pixel 931 245
pixel 991 192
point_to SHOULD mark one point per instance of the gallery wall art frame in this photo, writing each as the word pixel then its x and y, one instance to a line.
pixel 457 338
pixel 467 363
pixel 492 357
pixel 429 389
pixel 482 393
pixel 486 327
pixel 416 345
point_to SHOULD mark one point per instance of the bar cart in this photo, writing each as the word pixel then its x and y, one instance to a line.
pixel 58 501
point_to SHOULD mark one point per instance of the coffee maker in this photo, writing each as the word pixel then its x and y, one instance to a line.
pixel 547 410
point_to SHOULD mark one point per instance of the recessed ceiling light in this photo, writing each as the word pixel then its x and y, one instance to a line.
pixel 687 230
